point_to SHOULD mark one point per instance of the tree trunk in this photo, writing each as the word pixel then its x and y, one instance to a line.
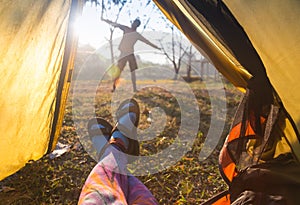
pixel 176 69
pixel 112 57
pixel 189 69
pixel 202 70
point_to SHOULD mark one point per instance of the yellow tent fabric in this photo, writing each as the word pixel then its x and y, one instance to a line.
pixel 271 29
pixel 181 15
pixel 274 30
pixel 37 48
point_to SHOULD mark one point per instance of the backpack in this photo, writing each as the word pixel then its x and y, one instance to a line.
pixel 257 161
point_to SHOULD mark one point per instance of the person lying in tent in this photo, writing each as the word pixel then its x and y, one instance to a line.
pixel 109 182
pixel 126 47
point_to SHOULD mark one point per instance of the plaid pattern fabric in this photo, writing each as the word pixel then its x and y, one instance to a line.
pixel 109 183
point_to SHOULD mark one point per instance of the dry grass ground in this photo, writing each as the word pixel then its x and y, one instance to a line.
pixel 188 181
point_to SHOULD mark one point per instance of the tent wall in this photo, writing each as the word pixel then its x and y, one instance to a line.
pixel 249 39
pixel 185 17
pixel 35 59
pixel 273 28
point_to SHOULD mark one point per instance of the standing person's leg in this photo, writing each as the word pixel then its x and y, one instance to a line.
pixel 133 66
pixel 121 65
pixel 133 80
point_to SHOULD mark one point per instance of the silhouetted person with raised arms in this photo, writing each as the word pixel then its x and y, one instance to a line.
pixel 126 47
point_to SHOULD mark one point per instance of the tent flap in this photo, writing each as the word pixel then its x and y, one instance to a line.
pixel 257 40
pixel 274 31
pixel 33 41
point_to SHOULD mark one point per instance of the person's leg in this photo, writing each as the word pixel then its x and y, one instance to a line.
pixel 133 66
pixel 138 193
pixel 105 186
pixel 121 65
pixel 128 119
pixel 108 182
pixel 133 80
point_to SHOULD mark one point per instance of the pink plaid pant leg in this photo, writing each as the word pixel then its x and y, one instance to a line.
pixel 109 183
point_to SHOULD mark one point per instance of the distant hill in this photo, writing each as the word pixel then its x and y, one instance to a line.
pixel 89 65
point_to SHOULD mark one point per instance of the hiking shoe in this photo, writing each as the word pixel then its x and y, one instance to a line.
pixel 99 127
pixel 129 129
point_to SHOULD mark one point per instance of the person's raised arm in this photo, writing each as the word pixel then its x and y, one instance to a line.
pixel 122 27
pixel 143 39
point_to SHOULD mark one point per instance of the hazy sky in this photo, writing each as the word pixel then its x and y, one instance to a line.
pixel 93 31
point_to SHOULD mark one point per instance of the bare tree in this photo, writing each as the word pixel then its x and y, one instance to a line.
pixel 119 7
pixel 177 51
pixel 190 54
